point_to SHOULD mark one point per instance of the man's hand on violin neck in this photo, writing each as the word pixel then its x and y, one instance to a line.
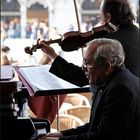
pixel 48 50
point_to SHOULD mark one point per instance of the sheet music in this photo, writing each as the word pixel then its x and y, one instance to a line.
pixel 39 78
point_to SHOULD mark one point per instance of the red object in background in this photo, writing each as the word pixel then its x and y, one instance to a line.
pixel 45 106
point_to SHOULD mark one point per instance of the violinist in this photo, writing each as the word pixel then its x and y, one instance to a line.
pixel 119 13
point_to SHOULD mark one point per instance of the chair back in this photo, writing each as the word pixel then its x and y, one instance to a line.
pixel 77 100
pixel 66 122
pixel 82 112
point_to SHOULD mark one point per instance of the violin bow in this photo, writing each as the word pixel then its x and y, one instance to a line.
pixel 78 21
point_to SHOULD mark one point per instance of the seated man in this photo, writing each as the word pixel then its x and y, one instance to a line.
pixel 115 113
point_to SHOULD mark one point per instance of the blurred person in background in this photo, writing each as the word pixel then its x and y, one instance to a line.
pixel 6 51
pixel 45 106
pixel 3 31
pixel 4 58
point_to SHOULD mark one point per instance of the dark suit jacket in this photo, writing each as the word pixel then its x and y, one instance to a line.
pixel 128 35
pixel 116 115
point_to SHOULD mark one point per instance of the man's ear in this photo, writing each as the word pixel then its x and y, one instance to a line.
pixel 108 67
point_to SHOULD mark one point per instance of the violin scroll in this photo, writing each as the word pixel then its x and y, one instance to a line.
pixel 28 50
pixel 33 48
pixel 38 45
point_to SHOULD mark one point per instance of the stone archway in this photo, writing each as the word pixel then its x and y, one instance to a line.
pixel 37 11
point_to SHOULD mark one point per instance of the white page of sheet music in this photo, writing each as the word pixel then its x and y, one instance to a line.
pixel 40 78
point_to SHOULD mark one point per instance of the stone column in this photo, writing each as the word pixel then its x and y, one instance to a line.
pixel 23 17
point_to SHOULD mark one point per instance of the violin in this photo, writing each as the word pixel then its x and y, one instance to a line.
pixel 74 40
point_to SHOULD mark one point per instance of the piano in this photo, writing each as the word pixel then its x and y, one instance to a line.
pixel 12 125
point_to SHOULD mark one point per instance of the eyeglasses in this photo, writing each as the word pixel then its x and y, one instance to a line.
pixel 87 64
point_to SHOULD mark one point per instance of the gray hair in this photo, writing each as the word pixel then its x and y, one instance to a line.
pixel 108 49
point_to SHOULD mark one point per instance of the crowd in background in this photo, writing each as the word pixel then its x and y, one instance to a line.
pixel 35 29
pixel 39 29
pixel 12 29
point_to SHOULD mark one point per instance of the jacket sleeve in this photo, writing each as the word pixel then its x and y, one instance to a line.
pixel 69 72
pixel 76 131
